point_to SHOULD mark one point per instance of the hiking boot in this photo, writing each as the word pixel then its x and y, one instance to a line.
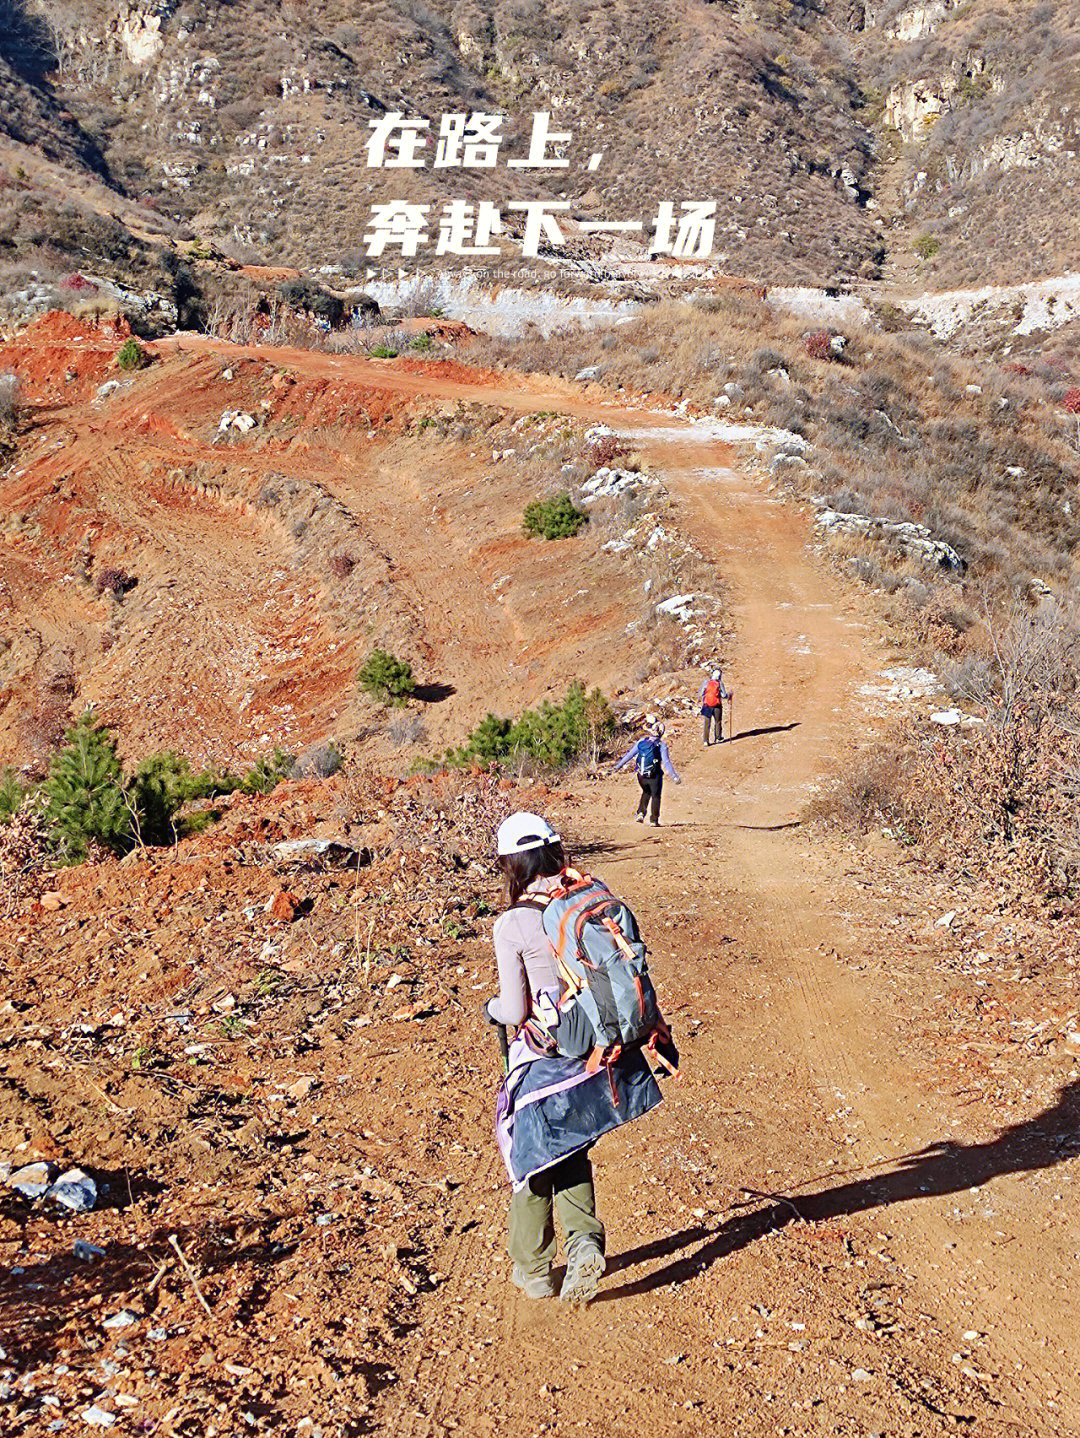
pixel 639 818
pixel 655 823
pixel 536 1285
pixel 584 1270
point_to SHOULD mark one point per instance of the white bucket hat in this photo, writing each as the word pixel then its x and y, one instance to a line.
pixel 523 831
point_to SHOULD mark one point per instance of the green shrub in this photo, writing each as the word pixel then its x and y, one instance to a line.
pixel 554 518
pixel 554 735
pixel 90 798
pixel 421 342
pixel 85 790
pixel 266 773
pixel 163 783
pixel 926 247
pixel 382 352
pixel 12 793
pixel 131 355
pixel 386 678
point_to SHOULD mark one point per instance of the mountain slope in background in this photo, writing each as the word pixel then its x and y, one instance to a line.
pixel 841 140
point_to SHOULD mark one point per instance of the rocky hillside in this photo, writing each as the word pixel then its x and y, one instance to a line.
pixel 840 139
pixel 980 139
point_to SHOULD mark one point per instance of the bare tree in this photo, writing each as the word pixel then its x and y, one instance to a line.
pixel 62 21
pixel 1035 654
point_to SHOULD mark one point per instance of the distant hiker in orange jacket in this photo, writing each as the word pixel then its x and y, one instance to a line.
pixel 713 693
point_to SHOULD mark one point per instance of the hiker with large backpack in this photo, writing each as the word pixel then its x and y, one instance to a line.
pixel 651 762
pixel 712 696
pixel 575 993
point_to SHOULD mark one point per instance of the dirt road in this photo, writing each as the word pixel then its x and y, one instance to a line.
pixel 920 1295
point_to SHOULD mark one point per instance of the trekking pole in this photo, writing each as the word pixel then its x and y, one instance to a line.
pixel 504 1047
pixel 731 717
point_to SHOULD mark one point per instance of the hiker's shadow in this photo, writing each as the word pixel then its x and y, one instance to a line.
pixel 765 729
pixel 1049 1138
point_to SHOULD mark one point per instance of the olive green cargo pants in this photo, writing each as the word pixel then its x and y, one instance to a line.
pixel 567 1189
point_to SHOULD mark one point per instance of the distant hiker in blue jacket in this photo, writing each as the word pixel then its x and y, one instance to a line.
pixel 651 762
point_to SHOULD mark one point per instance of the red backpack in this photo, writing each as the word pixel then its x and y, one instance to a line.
pixel 712 693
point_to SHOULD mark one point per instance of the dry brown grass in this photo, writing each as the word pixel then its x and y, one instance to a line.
pixel 896 431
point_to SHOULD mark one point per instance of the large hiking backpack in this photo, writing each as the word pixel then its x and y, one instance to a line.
pixel 712 693
pixel 601 960
pixel 648 756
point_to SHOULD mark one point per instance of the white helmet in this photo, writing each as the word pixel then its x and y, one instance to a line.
pixel 523 831
pixel 716 675
pixel 654 725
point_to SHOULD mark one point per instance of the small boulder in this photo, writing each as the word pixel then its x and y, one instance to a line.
pixel 32 1180
pixel 787 462
pixel 96 1417
pixel 74 1190
pixel 284 906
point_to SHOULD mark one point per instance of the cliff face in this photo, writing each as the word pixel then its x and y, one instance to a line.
pixel 831 136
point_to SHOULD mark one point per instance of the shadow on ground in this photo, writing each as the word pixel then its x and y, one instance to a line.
pixel 433 693
pixel 1049 1138
pixel 766 729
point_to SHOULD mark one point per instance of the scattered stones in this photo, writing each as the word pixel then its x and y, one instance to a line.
pixel 124 1319
pixel 87 1252
pixel 946 920
pixel 913 540
pixel 51 901
pixel 591 371
pixel 236 419
pixel 607 482
pixel 903 684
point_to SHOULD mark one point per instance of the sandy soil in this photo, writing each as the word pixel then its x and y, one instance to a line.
pixel 830 1227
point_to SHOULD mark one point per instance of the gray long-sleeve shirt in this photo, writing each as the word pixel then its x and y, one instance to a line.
pixel 525 958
